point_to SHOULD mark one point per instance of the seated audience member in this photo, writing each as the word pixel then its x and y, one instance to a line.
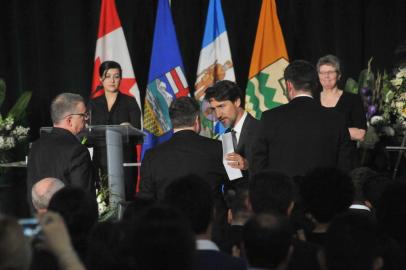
pixel 239 212
pixel 326 192
pixel 56 239
pixel 351 243
pixel 79 211
pixel 135 208
pixel 193 196
pixel 391 212
pixel 42 192
pixel 111 246
pixel 268 242
pixel 15 250
pixel 164 239
pixel 274 192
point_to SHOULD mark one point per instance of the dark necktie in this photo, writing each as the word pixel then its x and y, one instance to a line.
pixel 234 137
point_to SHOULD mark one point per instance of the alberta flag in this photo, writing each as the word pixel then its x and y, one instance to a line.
pixel 266 88
pixel 111 45
pixel 166 80
pixel 215 63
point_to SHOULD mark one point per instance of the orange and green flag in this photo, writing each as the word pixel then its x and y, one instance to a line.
pixel 266 87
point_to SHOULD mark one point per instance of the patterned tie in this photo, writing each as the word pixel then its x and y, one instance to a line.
pixel 234 137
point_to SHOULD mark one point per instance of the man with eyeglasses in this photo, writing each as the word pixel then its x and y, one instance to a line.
pixel 59 154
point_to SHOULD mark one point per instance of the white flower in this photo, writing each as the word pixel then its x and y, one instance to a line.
pixel 401 73
pixel 388 131
pixel 376 120
pixel 20 132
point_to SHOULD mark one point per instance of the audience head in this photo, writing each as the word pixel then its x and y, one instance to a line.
pixel 79 211
pixel 237 201
pixel 15 251
pixel 351 242
pixel 68 111
pixel 193 196
pixel 163 239
pixel 300 76
pixel 391 211
pixel 111 246
pixel 359 176
pixel 271 191
pixel 267 241
pixel 135 208
pixel 43 191
pixel 326 192
pixel 184 113
pixel 225 98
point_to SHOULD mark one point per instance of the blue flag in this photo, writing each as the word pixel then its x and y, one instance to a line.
pixel 166 80
pixel 215 64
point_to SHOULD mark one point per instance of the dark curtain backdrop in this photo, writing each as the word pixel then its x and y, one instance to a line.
pixel 47 46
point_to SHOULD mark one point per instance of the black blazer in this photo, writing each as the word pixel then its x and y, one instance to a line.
pixel 249 130
pixel 59 154
pixel 300 136
pixel 186 153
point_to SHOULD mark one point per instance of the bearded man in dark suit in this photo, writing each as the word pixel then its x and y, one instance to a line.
pixel 59 154
pixel 301 135
pixel 225 98
pixel 185 153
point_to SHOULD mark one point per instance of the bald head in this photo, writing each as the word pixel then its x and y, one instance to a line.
pixel 43 191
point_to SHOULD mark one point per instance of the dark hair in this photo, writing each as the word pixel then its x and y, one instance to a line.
pixel 359 176
pixel 106 65
pixel 351 242
pixel 391 211
pixel 183 112
pixel 224 90
pixel 163 239
pixel 271 191
pixel 111 246
pixel 326 192
pixel 135 208
pixel 373 188
pixel 302 75
pixel 79 211
pixel 193 196
pixel 267 239
pixel 236 200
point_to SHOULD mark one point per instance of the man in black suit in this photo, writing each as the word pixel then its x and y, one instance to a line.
pixel 301 135
pixel 225 102
pixel 185 153
pixel 59 154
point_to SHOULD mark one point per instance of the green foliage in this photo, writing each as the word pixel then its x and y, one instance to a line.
pixel 17 112
pixel 351 86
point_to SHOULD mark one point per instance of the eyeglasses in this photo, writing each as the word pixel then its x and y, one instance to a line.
pixel 84 115
pixel 327 73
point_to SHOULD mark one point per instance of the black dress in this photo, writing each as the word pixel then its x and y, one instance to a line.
pixel 124 109
pixel 351 106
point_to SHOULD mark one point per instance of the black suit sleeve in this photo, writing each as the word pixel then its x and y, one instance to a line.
pixel 81 169
pixel 146 180
pixel 135 114
pixel 357 116
pixel 259 155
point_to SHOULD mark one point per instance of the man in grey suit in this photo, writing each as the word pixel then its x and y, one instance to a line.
pixel 301 135
pixel 225 98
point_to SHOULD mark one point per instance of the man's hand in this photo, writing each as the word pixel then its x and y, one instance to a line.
pixel 237 161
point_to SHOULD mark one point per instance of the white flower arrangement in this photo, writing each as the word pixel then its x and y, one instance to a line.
pixel 11 135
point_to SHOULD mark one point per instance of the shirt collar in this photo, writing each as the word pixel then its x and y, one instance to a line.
pixel 202 244
pixel 237 128
pixel 303 95
pixel 360 207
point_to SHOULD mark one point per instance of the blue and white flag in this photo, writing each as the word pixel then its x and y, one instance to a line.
pixel 215 63
pixel 166 80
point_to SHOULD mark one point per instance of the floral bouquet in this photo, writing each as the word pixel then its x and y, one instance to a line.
pixel 12 134
pixel 384 99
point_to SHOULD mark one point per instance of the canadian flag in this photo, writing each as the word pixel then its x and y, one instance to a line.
pixel 111 45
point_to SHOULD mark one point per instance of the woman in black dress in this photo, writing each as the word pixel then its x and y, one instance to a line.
pixel 114 108
pixel 350 105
